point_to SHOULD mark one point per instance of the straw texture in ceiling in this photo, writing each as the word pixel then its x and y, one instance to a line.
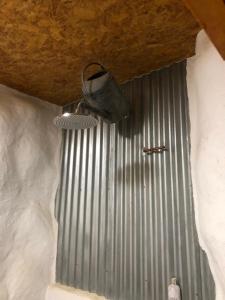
pixel 45 44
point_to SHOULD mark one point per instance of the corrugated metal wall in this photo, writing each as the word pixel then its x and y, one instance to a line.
pixel 126 221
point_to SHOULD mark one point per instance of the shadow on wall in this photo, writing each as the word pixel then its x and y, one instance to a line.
pixel 133 125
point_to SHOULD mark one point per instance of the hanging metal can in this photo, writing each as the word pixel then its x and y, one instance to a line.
pixel 103 95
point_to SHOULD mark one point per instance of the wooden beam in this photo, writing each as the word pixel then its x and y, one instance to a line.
pixel 211 16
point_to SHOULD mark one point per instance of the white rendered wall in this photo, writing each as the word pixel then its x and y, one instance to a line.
pixel 59 292
pixel 206 91
pixel 29 171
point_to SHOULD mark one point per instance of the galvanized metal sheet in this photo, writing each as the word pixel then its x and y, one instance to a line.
pixel 126 220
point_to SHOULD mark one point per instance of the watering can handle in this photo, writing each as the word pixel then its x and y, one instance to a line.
pixel 85 69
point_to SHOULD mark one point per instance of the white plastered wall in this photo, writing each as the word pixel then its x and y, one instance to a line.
pixel 206 92
pixel 59 292
pixel 29 174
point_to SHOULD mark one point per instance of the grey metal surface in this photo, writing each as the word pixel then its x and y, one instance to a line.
pixel 126 221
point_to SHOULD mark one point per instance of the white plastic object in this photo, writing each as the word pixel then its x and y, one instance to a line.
pixel 174 290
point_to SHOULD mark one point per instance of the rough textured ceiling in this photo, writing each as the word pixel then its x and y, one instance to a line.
pixel 45 44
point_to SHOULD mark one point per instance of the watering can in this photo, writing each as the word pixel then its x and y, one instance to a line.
pixel 103 95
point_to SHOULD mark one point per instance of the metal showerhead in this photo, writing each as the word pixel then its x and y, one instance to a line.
pixel 75 120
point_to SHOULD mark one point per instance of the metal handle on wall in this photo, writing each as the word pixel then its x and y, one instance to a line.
pixel 159 149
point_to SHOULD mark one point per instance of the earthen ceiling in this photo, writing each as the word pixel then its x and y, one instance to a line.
pixel 45 44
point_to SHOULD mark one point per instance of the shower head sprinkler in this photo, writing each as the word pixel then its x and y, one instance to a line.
pixel 75 120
